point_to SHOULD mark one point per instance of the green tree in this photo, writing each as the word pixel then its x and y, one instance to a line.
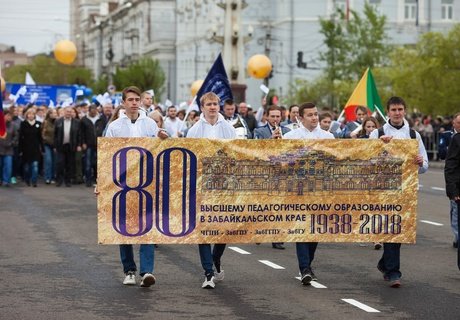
pixel 46 70
pixel 145 73
pixel 427 75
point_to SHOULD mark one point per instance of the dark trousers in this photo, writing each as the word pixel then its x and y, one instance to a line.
pixel 65 164
pixel 458 247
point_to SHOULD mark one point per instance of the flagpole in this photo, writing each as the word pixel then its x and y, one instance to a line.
pixel 341 114
pixel 381 114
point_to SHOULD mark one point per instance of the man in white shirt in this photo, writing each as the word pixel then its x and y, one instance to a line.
pixel 397 128
pixel 146 102
pixel 173 124
pixel 310 130
pixel 212 125
pixel 134 123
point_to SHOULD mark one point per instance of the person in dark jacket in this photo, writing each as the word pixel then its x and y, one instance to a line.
pixel 30 146
pixel 89 143
pixel 443 147
pixel 66 143
pixel 7 145
pixel 452 176
pixel 49 160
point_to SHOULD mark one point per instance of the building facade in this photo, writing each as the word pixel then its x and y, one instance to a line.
pixel 184 35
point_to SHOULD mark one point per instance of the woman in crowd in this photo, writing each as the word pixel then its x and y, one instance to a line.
pixel 30 146
pixel 7 145
pixel 48 143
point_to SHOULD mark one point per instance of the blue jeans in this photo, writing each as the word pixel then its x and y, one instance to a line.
pixel 305 254
pixel 207 258
pixel 454 218
pixel 390 260
pixel 31 172
pixel 146 257
pixel 7 168
pixel 90 163
pixel 49 162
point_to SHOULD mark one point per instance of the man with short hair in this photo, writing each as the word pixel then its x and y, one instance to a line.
pixel 293 121
pixel 104 118
pixel 146 102
pixel 134 123
pixel 272 130
pixel 310 130
pixel 444 142
pixel 173 124
pixel 397 127
pixel 89 143
pixel 211 125
pixel 251 121
pixel 229 113
pixel 350 130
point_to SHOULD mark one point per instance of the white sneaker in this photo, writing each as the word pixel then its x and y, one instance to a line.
pixel 130 278
pixel 219 276
pixel 147 280
pixel 208 282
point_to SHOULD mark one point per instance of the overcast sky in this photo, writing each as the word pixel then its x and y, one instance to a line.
pixel 33 26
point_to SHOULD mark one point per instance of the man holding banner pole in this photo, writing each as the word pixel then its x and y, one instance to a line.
pixel 212 125
pixel 397 128
pixel 310 130
pixel 135 123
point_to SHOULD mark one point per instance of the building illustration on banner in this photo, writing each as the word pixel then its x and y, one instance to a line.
pixel 301 172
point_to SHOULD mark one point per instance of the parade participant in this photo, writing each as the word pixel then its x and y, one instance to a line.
pixel 211 125
pixel 241 128
pixel 251 121
pixel 444 142
pixel 350 129
pixel 66 143
pixel 310 130
pixel 452 176
pixel 325 120
pixel 272 130
pixel 146 102
pixel 49 160
pixel 30 146
pixel 293 121
pixel 134 123
pixel 89 144
pixel 397 128
pixel 172 123
pixel 7 145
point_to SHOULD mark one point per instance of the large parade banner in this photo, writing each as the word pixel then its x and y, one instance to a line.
pixel 247 191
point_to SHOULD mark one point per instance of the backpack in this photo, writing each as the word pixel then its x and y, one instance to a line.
pixel 411 133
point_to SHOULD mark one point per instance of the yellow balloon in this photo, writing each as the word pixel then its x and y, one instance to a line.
pixel 3 84
pixel 259 66
pixel 196 85
pixel 65 51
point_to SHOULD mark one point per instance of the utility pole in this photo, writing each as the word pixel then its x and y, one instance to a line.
pixel 233 42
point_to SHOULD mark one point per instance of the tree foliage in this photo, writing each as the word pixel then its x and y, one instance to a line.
pixel 46 70
pixel 145 73
pixel 427 76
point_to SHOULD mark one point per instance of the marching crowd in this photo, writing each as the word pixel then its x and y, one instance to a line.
pixel 60 144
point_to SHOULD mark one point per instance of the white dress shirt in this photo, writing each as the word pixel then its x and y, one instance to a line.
pixel 304 133
pixel 220 130
pixel 172 127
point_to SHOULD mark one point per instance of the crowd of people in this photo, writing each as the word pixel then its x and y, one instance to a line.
pixel 60 144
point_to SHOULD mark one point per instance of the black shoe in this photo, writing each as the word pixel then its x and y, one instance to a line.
pixel 278 246
pixel 89 184
pixel 59 183
pixel 455 244
pixel 68 185
pixel 34 185
pixel 28 183
pixel 306 277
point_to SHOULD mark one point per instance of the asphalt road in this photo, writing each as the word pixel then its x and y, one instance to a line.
pixel 52 268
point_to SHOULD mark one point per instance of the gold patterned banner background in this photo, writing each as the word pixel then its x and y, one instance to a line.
pixel 247 191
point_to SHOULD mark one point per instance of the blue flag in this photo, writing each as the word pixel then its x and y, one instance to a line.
pixel 216 81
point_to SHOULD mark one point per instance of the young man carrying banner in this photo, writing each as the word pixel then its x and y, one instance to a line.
pixel 397 128
pixel 135 123
pixel 212 125
pixel 310 130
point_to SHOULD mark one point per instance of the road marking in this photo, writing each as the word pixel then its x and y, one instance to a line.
pixel 239 250
pixel 431 222
pixel 271 264
pixel 360 305
pixel 437 188
pixel 315 284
